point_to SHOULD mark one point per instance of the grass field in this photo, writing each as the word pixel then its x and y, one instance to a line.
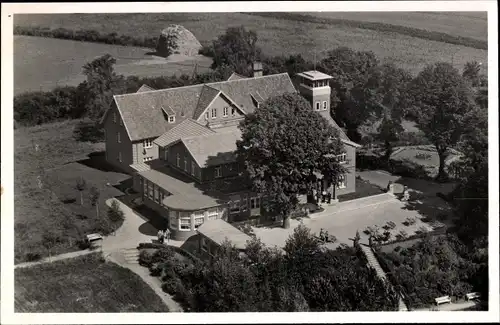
pixel 59 161
pixel 43 63
pixel 277 36
pixel 83 284
pixel 465 24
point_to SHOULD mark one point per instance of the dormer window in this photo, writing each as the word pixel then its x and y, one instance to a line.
pixel 171 119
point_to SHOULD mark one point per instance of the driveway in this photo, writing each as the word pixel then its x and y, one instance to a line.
pixel 345 218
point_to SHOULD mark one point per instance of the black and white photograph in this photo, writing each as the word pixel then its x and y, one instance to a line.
pixel 258 157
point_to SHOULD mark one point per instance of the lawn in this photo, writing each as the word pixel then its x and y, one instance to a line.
pixel 44 63
pixel 55 207
pixel 83 284
pixel 276 36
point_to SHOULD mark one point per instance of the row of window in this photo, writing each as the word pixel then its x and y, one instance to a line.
pixel 182 220
pixel 178 164
pixel 315 83
pixel 225 112
pixel 239 206
pixel 154 192
pixel 325 105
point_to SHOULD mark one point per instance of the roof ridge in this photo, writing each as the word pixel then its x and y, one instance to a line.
pixel 205 84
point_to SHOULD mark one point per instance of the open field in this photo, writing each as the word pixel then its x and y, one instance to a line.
pixel 276 36
pixel 465 24
pixel 83 284
pixel 55 208
pixel 44 63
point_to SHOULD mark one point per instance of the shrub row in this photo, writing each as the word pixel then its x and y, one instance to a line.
pixel 381 27
pixel 87 36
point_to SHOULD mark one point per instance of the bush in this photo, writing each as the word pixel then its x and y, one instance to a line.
pixel 83 244
pixel 162 255
pixel 33 256
pixel 115 214
pixel 145 258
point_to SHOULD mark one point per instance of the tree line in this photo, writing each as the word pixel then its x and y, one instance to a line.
pixel 87 35
pixel 304 276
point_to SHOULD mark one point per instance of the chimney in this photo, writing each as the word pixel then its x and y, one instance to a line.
pixel 257 69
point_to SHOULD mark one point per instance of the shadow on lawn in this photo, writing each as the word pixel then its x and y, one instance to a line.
pixel 97 160
pixel 87 131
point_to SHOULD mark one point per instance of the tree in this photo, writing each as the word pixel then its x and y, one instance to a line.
pixel 167 44
pixel 81 185
pixel 94 198
pixel 388 132
pixel 283 143
pixel 441 98
pixel 101 84
pixel 237 48
pixel 292 64
pixel 471 73
pixel 49 239
pixel 354 84
pixel 115 214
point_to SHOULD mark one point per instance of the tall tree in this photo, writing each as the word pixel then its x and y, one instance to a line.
pixel 236 48
pixel 81 185
pixel 283 143
pixel 441 98
pixel 354 84
pixel 94 195
pixel 101 84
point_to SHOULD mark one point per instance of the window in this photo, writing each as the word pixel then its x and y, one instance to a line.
pixel 244 205
pixel 118 138
pixel 233 111
pixel 156 194
pixel 212 214
pixel 144 159
pixel 105 135
pixel 206 115
pixel 121 121
pixel 325 105
pixel 166 154
pixel 218 172
pixel 341 182
pixel 317 106
pixel 178 160
pixel 162 196
pixel 185 223
pixel 148 143
pixel 198 220
pixel 120 156
pixel 193 168
pixel 342 158
pixel 185 163
pixel 171 119
pixel 150 190
pixel 214 112
pixel 226 111
pixel 234 207
pixel 114 117
pixel 145 188
pixel 255 203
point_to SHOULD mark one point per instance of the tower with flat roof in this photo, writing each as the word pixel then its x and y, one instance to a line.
pixel 315 87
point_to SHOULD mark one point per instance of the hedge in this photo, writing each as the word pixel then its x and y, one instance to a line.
pixel 87 36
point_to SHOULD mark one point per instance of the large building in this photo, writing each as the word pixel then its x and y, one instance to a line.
pixel 179 144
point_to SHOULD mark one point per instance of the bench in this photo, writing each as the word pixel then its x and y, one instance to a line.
pixel 472 296
pixel 442 300
pixel 92 238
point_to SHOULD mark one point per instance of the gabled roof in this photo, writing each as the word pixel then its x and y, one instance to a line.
pixel 143 116
pixel 145 88
pixel 213 149
pixel 208 94
pixel 168 110
pixel 186 128
pixel 235 76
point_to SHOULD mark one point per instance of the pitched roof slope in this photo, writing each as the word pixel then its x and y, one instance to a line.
pixel 218 230
pixel 207 95
pixel 142 112
pixel 186 128
pixel 144 88
pixel 213 149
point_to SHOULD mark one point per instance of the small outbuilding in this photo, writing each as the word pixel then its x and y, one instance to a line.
pixel 213 233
